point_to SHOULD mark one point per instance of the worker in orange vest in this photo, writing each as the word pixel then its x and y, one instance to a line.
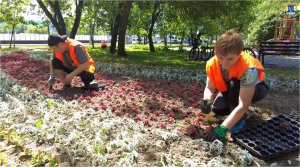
pixel 103 45
pixel 239 80
pixel 69 60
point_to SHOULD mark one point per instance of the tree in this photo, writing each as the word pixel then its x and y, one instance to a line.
pixel 56 17
pixel 11 15
pixel 139 20
pixel 154 16
pixel 115 28
pixel 122 27
pixel 261 28
pixel 37 29
pixel 91 21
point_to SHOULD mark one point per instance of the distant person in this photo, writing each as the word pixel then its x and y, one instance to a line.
pixel 239 80
pixel 69 60
pixel 196 41
pixel 103 45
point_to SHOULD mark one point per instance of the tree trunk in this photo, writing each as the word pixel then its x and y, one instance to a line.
pixel 48 28
pixel 155 14
pixel 139 39
pixel 77 19
pixel 165 40
pixel 123 27
pixel 114 32
pixel 92 30
pixel 11 37
pixel 60 19
pixel 14 39
pixel 58 26
pixel 181 42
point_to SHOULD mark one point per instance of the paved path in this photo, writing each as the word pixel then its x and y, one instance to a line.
pixel 283 61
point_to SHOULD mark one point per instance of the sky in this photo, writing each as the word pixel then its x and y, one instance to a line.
pixel 30 14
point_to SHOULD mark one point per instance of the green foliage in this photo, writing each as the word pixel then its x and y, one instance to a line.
pixel 99 149
pixel 3 159
pixel 37 29
pixel 283 72
pixel 38 123
pixel 262 27
pixel 139 19
pixel 11 11
pixel 94 21
pixel 38 159
pixel 54 160
pixel 140 47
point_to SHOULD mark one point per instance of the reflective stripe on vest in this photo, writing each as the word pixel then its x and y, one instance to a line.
pixel 246 61
pixel 72 43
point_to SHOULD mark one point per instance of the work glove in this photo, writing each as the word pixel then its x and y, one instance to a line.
pixel 205 106
pixel 51 79
pixel 217 133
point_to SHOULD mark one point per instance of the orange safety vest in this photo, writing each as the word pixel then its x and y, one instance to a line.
pixel 246 61
pixel 72 43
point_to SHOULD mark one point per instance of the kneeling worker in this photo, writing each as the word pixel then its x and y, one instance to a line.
pixel 69 60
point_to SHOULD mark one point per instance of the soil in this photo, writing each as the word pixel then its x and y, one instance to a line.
pixel 275 103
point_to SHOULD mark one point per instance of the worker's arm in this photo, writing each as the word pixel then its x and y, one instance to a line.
pixel 245 97
pixel 209 90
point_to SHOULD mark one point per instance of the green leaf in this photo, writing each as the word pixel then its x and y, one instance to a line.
pixel 38 123
pixel 50 103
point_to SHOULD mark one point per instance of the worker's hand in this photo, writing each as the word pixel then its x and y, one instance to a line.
pixel 51 79
pixel 68 79
pixel 205 106
pixel 217 133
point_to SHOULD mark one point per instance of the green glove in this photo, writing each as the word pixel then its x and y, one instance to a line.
pixel 205 106
pixel 218 133
pixel 221 131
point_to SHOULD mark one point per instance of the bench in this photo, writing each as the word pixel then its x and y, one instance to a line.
pixel 278 48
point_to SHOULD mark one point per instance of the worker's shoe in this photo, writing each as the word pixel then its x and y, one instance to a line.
pixel 90 86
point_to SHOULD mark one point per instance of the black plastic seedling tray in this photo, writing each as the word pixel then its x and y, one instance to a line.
pixel 272 138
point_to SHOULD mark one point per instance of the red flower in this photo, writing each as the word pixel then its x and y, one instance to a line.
pixel 161 93
pixel 192 131
pixel 146 111
pixel 162 125
pixel 158 112
pixel 152 117
pixel 146 122
pixel 117 112
pixel 175 108
pixel 196 104
pixel 88 98
pixel 127 115
pixel 137 118
pixel 198 120
pixel 171 120
pixel 171 114
pixel 103 107
pixel 188 120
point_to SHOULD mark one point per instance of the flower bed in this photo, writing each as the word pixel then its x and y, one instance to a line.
pixel 136 121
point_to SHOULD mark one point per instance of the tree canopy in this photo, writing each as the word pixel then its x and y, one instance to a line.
pixel 145 19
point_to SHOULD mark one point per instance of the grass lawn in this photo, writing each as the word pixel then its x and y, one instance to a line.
pixel 139 55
